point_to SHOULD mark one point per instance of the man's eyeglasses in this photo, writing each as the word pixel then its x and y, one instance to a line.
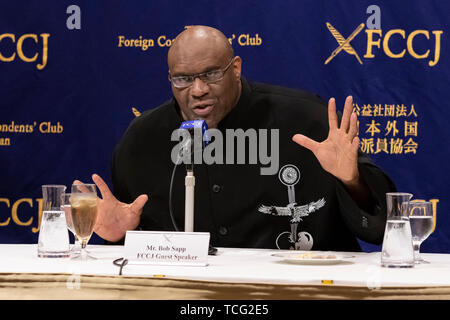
pixel 182 82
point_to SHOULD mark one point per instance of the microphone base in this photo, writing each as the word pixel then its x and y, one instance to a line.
pixel 212 251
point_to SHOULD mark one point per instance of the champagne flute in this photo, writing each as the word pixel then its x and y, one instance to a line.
pixel 421 220
pixel 84 206
pixel 65 206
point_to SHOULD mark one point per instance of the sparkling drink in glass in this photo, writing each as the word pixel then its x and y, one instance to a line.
pixel 84 207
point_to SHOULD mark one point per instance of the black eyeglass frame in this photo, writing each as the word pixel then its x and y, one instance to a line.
pixel 202 76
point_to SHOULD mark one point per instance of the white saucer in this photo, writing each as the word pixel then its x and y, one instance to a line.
pixel 310 258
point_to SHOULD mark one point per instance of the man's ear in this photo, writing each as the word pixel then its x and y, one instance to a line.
pixel 237 67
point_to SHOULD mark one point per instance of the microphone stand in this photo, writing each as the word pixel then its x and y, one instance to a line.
pixel 189 183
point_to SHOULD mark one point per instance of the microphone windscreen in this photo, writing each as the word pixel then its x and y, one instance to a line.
pixel 193 125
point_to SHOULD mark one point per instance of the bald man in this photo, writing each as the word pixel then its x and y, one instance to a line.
pixel 340 193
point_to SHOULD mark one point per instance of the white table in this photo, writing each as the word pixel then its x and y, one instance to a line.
pixel 232 273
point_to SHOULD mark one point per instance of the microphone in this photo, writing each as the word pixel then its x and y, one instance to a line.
pixel 195 124
pixel 192 145
pixel 197 139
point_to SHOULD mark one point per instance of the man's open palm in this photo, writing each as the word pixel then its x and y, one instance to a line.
pixel 338 154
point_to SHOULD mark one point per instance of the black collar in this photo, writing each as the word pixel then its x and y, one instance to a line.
pixel 241 112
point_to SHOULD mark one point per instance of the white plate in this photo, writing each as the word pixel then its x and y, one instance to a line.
pixel 319 258
pixel 105 252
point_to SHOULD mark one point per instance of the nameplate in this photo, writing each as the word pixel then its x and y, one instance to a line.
pixel 167 248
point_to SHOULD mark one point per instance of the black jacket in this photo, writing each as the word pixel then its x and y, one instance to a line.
pixel 228 196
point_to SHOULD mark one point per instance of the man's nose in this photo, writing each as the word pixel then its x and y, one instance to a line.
pixel 199 88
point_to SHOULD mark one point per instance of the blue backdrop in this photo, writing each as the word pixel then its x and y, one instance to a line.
pixel 71 73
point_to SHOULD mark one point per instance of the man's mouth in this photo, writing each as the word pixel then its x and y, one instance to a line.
pixel 203 110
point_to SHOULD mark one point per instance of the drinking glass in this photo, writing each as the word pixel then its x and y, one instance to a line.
pixel 53 239
pixel 397 250
pixel 65 206
pixel 422 222
pixel 84 207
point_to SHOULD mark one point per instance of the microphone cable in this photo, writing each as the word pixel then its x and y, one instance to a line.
pixel 170 193
pixel 180 157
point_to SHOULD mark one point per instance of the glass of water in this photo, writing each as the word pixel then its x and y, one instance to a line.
pixel 53 239
pixel 65 206
pixel 397 250
pixel 422 225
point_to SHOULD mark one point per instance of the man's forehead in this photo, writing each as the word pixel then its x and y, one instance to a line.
pixel 196 62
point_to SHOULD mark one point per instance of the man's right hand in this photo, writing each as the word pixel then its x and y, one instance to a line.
pixel 114 217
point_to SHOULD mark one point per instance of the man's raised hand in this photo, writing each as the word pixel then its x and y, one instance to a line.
pixel 338 154
pixel 114 217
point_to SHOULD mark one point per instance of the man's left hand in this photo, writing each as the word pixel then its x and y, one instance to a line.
pixel 338 154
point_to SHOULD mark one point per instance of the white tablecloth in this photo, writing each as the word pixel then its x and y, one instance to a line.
pixel 233 265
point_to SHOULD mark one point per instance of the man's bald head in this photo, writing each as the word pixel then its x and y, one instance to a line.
pixel 197 39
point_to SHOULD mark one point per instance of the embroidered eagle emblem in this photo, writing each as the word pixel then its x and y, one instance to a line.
pixel 296 212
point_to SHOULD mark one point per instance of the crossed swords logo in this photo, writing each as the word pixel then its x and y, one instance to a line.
pixel 344 44
pixel 289 175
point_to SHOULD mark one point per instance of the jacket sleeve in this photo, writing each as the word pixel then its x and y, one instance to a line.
pixel 367 224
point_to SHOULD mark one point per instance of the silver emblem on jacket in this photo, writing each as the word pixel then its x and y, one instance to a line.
pixel 289 175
